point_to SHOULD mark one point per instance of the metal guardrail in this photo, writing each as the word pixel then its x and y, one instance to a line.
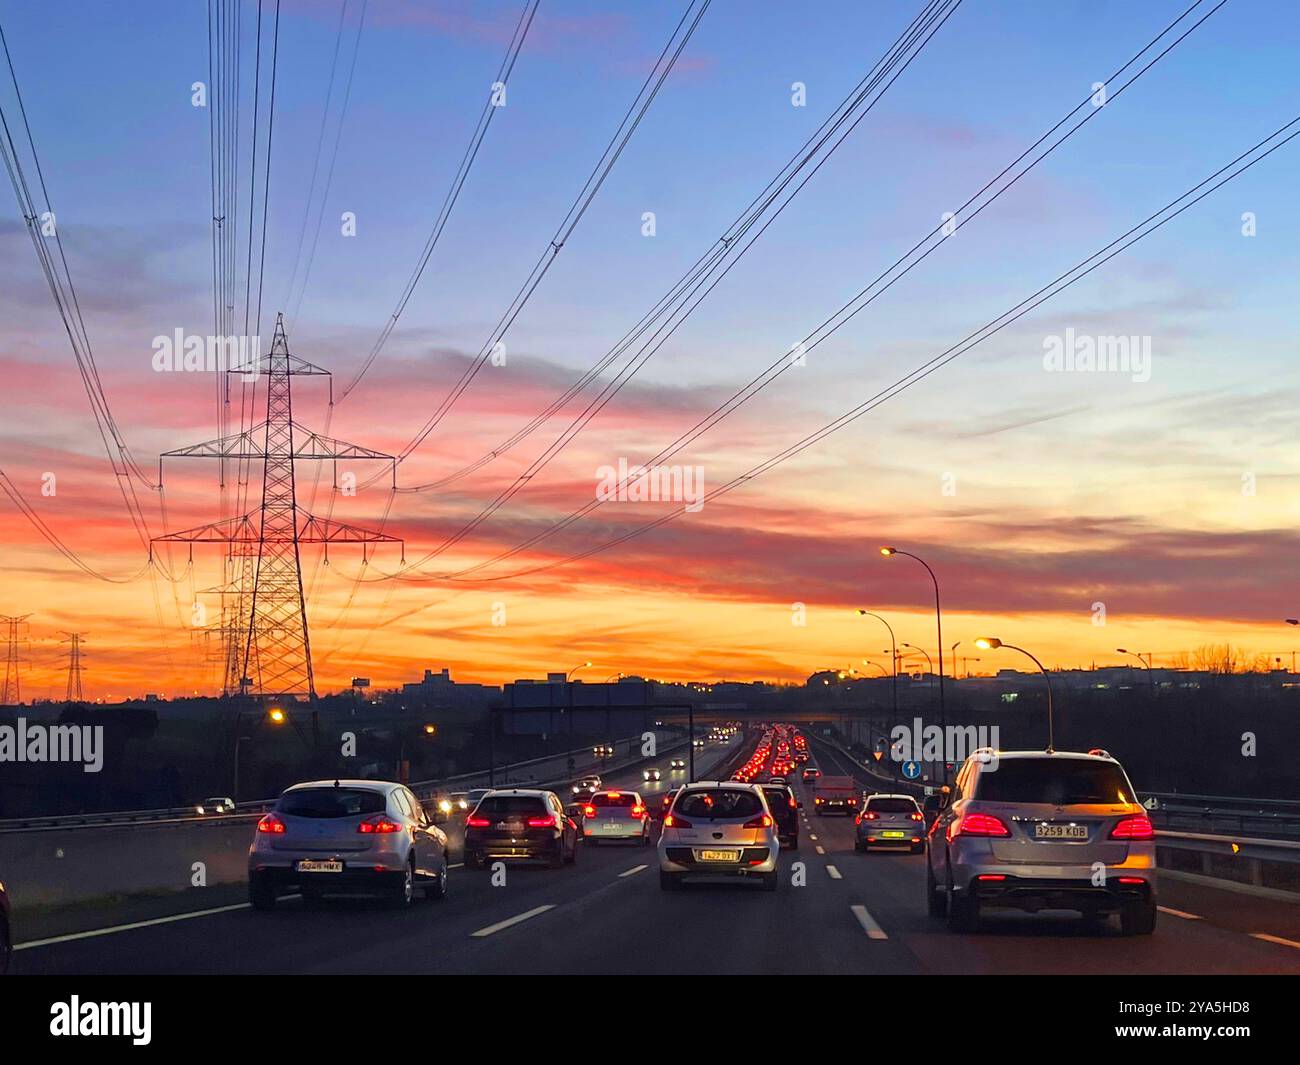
pixel 244 811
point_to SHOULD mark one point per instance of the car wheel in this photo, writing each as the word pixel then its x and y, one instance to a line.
pixel 934 903
pixel 261 892
pixel 769 881
pixel 573 851
pixel 6 948
pixel 557 859
pixel 670 881
pixel 475 861
pixel 1138 918
pixel 859 846
pixel 919 848
pixel 963 913
pixel 405 891
pixel 438 889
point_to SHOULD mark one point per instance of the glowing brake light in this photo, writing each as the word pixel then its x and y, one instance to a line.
pixel 1135 827
pixel 543 822
pixel 977 824
pixel 380 824
pixel 588 811
pixel 761 821
pixel 868 815
pixel 476 822
pixel 918 817
pixel 676 821
pixel 272 824
pixel 638 811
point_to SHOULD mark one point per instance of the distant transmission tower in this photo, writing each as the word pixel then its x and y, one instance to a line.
pixel 274 658
pixel 75 694
pixel 16 641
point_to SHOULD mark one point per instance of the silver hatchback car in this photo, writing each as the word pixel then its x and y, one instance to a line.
pixel 890 822
pixel 723 828
pixel 346 837
pixel 615 815
pixel 1042 830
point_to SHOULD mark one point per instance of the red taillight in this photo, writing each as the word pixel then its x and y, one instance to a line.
pixel 761 821
pixel 793 804
pixel 1135 827
pixel 977 824
pixel 1131 880
pixel 918 817
pixel 588 811
pixel 868 815
pixel 638 811
pixel 991 876
pixel 676 821
pixel 476 822
pixel 543 822
pixel 380 824
pixel 272 824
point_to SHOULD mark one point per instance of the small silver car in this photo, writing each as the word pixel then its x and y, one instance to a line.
pixel 616 815
pixel 722 828
pixel 346 837
pixel 1042 830
pixel 889 822
pixel 651 774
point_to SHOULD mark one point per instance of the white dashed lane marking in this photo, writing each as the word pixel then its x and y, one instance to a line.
pixel 869 925
pixel 511 921
pixel 834 873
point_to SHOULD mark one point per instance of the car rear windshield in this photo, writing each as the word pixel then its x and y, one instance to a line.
pixel 331 802
pixel 777 796
pixel 718 804
pixel 500 805
pixel 892 806
pixel 1058 781
pixel 623 798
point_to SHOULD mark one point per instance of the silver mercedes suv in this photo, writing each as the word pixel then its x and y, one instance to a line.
pixel 1042 830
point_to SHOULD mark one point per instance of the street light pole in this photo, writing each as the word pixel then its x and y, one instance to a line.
pixel 993 643
pixel 938 626
pixel 1146 663
pixel 893 653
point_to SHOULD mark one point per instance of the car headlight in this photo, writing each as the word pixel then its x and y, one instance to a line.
pixel 444 806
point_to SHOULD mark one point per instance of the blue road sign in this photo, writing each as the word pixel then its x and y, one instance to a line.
pixel 911 770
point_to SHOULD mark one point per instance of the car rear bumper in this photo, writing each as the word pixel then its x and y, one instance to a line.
pixel 624 831
pixel 355 879
pixel 1074 886
pixel 876 839
pixel 681 859
pixel 495 848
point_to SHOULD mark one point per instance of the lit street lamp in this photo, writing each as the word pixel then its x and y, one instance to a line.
pixel 893 652
pixel 889 552
pixel 992 643
pixel 575 669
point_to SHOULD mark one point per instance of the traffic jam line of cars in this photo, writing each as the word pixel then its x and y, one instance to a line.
pixel 1026 830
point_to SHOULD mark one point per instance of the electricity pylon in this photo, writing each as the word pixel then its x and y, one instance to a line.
pixel 275 657
pixel 16 642
pixel 74 690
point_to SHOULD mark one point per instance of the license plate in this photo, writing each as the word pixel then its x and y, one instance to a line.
pixel 893 835
pixel 611 826
pixel 718 856
pixel 1057 830
pixel 312 865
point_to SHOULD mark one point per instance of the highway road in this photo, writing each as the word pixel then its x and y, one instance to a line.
pixel 855 914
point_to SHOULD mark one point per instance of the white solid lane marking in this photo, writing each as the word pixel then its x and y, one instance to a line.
pixel 821 849
pixel 133 925
pixel 834 873
pixel 1275 939
pixel 1179 913
pixel 869 925
pixel 634 869
pixel 509 921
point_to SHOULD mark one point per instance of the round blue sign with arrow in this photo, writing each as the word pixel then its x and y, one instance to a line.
pixel 911 770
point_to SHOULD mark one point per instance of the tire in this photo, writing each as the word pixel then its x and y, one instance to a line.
pixel 859 846
pixel 400 897
pixel 6 948
pixel 963 913
pixel 438 889
pixel 1138 918
pixel 670 881
pixel 557 859
pixel 934 902
pixel 919 848
pixel 475 861
pixel 573 852
pixel 261 892
pixel 769 881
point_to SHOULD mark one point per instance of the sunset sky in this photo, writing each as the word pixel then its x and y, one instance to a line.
pixel 1034 495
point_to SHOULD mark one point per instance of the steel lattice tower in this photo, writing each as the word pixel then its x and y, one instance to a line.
pixel 11 694
pixel 74 690
pixel 271 616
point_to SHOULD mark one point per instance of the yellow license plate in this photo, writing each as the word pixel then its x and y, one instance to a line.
pixel 718 856
pixel 894 835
